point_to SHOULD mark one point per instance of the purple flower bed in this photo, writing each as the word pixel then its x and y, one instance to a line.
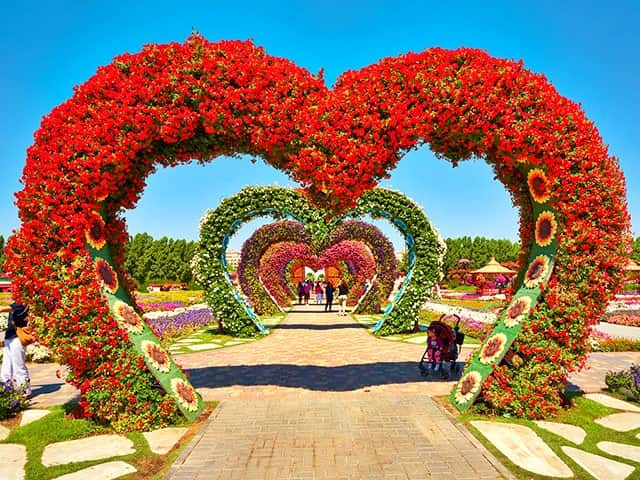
pixel 160 306
pixel 172 324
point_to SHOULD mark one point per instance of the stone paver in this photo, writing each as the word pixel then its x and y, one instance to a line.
pixel 13 459
pixel 312 352
pixel 612 402
pixel 400 437
pixel 569 432
pixel 321 398
pixel 4 432
pixel 203 346
pixel 620 422
pixel 623 450
pixel 30 416
pixel 591 378
pixel 524 448
pixel 90 448
pixel 163 440
pixel 104 471
pixel 600 467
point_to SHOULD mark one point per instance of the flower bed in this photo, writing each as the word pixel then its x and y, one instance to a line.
pixel 172 323
pixel 630 318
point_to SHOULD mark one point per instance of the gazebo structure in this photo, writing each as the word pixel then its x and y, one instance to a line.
pixel 632 270
pixel 492 270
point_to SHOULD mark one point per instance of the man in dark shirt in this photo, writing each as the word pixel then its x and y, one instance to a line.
pixel 14 367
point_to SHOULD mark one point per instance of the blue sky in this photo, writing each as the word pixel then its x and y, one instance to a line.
pixel 588 50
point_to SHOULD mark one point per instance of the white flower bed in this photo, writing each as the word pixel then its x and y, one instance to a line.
pixel 173 313
pixel 484 317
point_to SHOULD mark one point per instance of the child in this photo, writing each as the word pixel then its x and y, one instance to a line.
pixel 434 349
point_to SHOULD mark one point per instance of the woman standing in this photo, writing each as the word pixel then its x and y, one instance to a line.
pixel 342 297
pixel 14 367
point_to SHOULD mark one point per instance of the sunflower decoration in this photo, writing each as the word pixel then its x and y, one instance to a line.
pixel 95 232
pixel 537 271
pixel 517 312
pixel 107 275
pixel 538 185
pixel 186 394
pixel 493 348
pixel 127 317
pixel 156 355
pixel 467 387
pixel 546 228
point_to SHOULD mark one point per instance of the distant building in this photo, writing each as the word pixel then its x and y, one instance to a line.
pixel 233 259
pixel 5 283
pixel 167 287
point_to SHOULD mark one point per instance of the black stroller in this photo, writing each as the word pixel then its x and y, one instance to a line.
pixel 452 339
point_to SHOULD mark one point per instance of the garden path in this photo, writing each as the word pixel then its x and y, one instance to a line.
pixel 322 398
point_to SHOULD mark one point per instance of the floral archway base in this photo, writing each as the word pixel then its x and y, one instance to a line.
pixel 173 103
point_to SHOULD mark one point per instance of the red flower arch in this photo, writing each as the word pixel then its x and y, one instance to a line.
pixel 173 103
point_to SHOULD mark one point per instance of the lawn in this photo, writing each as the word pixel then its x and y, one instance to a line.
pixel 55 427
pixel 582 415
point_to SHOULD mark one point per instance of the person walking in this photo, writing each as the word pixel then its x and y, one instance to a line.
pixel 300 292
pixel 14 367
pixel 342 297
pixel 308 285
pixel 318 292
pixel 328 295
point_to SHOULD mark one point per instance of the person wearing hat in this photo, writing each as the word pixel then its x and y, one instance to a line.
pixel 14 366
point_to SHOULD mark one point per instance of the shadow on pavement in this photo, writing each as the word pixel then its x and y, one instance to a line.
pixel 311 377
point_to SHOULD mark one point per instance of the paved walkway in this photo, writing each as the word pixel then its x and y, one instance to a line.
pixel 320 398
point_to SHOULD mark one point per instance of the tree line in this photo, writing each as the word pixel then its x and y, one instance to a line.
pixel 162 260
pixel 169 260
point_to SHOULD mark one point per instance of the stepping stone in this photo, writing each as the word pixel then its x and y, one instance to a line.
pixel 4 432
pixel 392 337
pixel 232 342
pixel 417 340
pixel 188 340
pixel 30 416
pixel 569 432
pixel 630 452
pixel 600 467
pixel 14 458
pixel 90 448
pixel 104 471
pixel 620 422
pixel 163 440
pixel 203 346
pixel 612 402
pixel 523 447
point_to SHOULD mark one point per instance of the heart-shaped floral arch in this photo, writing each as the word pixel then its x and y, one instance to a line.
pixel 255 247
pixel 426 250
pixel 173 103
pixel 352 259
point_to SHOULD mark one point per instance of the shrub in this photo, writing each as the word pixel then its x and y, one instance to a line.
pixel 626 382
pixel 12 399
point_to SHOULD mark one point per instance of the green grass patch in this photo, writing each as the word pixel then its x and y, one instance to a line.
pixel 55 428
pixel 582 415
pixel 211 335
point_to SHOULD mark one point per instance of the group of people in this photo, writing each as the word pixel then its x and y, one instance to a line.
pixel 323 291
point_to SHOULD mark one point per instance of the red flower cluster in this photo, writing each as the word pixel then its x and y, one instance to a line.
pixel 173 103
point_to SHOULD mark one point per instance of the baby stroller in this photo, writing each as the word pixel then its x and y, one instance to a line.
pixel 452 340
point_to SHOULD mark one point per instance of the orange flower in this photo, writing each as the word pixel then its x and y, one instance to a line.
pixel 538 185
pixel 186 394
pixel 108 277
pixel 156 355
pixel 493 348
pixel 95 233
pixel 467 387
pixel 127 317
pixel 546 228
pixel 537 271
pixel 518 310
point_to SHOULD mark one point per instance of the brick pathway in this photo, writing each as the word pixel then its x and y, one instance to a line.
pixel 322 399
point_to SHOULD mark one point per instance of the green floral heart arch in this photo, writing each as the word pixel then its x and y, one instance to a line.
pixel 257 244
pixel 425 248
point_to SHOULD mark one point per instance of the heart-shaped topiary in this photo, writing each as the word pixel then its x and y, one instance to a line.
pixel 425 249
pixel 255 247
pixel 173 103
